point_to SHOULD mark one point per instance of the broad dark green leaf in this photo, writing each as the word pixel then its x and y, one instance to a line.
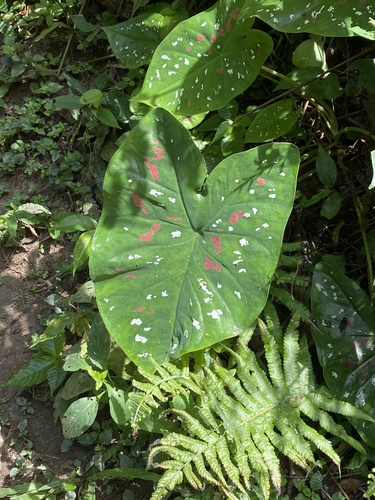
pixel 331 205
pixel 366 68
pixel 205 61
pixel 344 337
pixel 181 261
pixel 98 344
pixel 81 250
pixel 339 18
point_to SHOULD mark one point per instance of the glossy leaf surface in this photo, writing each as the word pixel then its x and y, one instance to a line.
pixel 344 336
pixel 273 121
pixel 179 261
pixel 205 61
pixel 343 18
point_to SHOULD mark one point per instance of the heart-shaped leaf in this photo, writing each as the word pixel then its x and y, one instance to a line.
pixel 205 61
pixel 181 261
pixel 344 336
pixel 341 18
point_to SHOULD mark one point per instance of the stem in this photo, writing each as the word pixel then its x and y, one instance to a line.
pixel 68 44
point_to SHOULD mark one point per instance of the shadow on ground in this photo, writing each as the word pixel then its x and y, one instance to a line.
pixel 27 278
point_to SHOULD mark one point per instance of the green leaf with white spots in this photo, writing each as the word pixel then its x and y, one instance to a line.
pixel 339 18
pixel 273 121
pixel 134 41
pixel 180 260
pixel 79 417
pixel 205 62
pixel 344 337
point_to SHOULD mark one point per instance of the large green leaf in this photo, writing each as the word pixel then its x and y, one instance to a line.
pixel 79 417
pixel 134 41
pixel 344 337
pixel 205 62
pixel 338 18
pixel 181 261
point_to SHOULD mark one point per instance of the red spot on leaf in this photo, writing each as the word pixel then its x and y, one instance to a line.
pixel 351 362
pixel 260 181
pixel 170 217
pixel 234 217
pixel 221 32
pixel 234 14
pixel 211 265
pixel 209 51
pixel 228 27
pixel 188 48
pixel 213 39
pixel 216 240
pixel 152 168
pixel 158 153
pixel 138 309
pixel 149 235
pixel 151 311
pixel 120 269
pixel 234 63
pixel 219 70
pixel 130 275
pixel 146 236
pixel 200 38
pixel 138 202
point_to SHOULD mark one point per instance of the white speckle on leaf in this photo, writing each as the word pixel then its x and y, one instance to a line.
pixel 176 234
pixel 196 324
pixel 153 192
pixel 215 314
pixel 265 225
pixel 252 191
pixel 111 308
pixel 139 338
pixel 164 293
pixel 149 296
pixel 143 355
pixel 244 242
pixel 172 200
pixel 271 196
pixel 334 374
pixel 125 228
pixel 242 270
pixel 106 300
pixel 238 294
pixel 135 256
pixel 147 329
pixel 136 321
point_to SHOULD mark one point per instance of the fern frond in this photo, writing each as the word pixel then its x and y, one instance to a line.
pixel 242 416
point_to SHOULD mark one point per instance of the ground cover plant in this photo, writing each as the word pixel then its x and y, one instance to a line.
pixel 222 332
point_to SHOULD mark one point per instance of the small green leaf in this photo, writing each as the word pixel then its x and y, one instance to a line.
pixel 326 168
pixel 98 344
pixel 92 96
pixel 366 68
pixel 331 206
pixel 69 101
pixel 310 53
pixel 273 121
pixel 120 412
pixel 81 250
pixel 70 223
pixel 106 116
pixel 82 24
pixel 79 417
pixel 35 372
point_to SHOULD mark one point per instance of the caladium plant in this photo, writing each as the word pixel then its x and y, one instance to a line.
pixel 182 260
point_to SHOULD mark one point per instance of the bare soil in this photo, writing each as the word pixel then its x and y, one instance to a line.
pixel 28 275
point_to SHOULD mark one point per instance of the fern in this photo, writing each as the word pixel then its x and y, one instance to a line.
pixel 244 417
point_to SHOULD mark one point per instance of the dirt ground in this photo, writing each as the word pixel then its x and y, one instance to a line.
pixel 27 276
